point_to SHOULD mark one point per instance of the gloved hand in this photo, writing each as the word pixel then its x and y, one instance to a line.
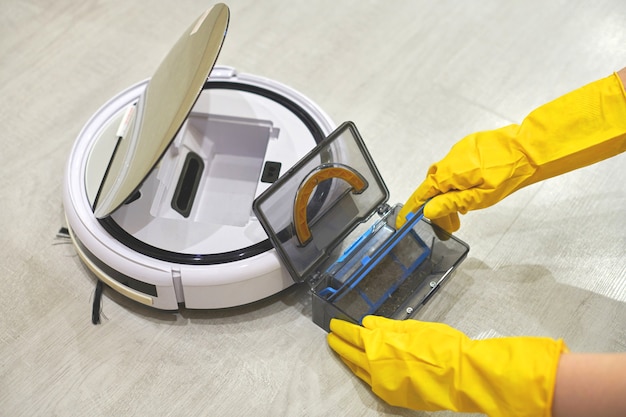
pixel 431 366
pixel 575 130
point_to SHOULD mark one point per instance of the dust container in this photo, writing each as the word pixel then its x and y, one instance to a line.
pixel 330 224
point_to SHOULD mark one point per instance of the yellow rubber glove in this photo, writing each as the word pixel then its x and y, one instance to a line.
pixel 431 366
pixel 575 130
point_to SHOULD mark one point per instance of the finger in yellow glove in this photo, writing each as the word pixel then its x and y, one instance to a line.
pixel 575 130
pixel 431 366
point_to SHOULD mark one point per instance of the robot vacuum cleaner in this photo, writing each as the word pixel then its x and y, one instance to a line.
pixel 206 188
pixel 160 183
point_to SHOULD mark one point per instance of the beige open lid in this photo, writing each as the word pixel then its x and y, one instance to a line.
pixel 163 108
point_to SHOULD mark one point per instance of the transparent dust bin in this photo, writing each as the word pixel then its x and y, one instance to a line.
pixel 319 217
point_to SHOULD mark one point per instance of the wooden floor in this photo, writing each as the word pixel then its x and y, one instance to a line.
pixel 415 76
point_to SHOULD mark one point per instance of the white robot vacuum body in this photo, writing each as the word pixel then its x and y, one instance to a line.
pixel 160 182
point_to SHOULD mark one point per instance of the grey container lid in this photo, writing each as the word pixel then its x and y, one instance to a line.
pixel 311 208
pixel 163 108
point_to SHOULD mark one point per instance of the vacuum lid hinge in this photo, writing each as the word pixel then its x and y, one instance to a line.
pixel 383 210
pixel 314 279
pixel 223 72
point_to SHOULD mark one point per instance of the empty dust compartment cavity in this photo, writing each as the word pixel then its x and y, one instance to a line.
pixel 224 158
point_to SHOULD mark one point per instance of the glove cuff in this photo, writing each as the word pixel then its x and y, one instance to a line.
pixel 510 377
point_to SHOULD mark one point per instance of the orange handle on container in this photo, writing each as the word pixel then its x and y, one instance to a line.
pixel 320 174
